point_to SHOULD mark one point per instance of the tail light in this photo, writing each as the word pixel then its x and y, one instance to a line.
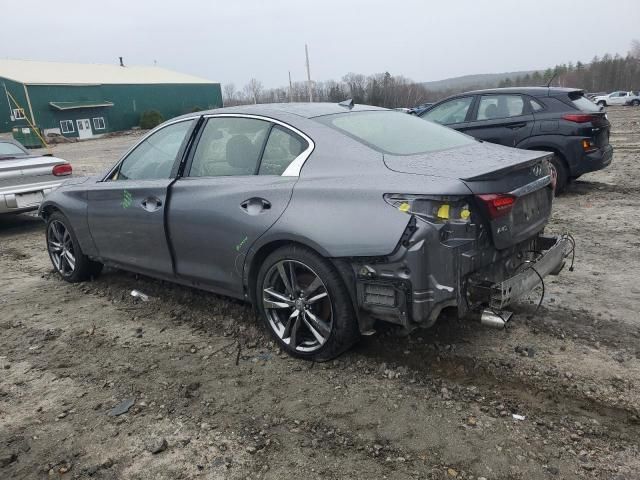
pixel 62 169
pixel 579 117
pixel 433 209
pixel 497 204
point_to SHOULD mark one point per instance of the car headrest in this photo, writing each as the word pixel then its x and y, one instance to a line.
pixel 240 152
pixel 491 111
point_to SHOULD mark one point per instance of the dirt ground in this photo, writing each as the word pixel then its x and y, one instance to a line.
pixel 212 397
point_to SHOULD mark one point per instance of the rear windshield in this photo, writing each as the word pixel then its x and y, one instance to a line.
pixel 395 133
pixel 583 103
pixel 11 150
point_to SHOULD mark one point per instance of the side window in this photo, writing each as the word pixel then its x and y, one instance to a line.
pixel 500 106
pixel 282 148
pixel 155 156
pixel 453 111
pixel 229 146
pixel 535 105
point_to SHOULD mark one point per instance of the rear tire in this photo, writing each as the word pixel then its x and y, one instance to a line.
pixel 635 103
pixel 562 176
pixel 65 252
pixel 304 303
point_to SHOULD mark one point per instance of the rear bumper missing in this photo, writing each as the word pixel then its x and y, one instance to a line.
pixel 426 275
pixel 554 250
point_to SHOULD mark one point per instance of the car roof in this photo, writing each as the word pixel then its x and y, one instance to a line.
pixel 305 110
pixel 533 91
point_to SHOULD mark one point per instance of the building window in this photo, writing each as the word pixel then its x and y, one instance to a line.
pixel 67 126
pixel 18 114
pixel 98 123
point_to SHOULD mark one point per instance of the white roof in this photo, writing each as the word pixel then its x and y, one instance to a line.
pixel 53 73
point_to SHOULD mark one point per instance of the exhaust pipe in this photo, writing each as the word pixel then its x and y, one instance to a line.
pixel 495 318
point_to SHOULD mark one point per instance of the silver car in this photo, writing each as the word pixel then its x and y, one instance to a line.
pixel 25 178
pixel 326 217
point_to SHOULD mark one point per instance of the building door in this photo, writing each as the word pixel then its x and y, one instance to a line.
pixel 84 128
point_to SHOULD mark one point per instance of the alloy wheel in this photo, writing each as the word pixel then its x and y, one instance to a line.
pixel 60 247
pixel 297 305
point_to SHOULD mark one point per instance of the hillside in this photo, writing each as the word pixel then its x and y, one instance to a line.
pixel 472 81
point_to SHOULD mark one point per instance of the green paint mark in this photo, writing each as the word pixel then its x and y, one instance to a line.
pixel 127 199
pixel 239 246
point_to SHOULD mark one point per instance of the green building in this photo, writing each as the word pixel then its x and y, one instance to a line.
pixel 84 101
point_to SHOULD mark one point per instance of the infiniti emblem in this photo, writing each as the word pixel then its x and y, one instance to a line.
pixel 537 170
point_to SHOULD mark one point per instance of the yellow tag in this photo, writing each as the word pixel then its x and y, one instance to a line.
pixel 464 214
pixel 404 207
pixel 443 211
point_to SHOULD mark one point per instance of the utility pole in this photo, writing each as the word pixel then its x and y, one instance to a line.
pixel 309 86
pixel 290 88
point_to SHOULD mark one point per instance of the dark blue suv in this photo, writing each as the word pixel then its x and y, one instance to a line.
pixel 558 120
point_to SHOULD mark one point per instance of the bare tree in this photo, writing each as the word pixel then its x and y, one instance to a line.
pixel 253 89
pixel 635 48
pixel 229 93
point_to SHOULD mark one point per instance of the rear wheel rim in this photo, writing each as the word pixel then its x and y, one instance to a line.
pixel 60 246
pixel 297 305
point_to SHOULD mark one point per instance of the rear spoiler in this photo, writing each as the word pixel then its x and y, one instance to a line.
pixel 509 168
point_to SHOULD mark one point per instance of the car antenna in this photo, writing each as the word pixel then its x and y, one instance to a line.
pixel 347 103
pixel 553 77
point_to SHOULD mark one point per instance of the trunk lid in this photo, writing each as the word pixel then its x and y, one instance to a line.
pixel 488 169
pixel 27 170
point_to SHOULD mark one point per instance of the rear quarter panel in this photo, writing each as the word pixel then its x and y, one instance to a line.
pixel 337 206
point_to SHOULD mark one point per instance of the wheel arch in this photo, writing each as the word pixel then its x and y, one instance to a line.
pixel 262 250
pixel 47 209
pixel 260 253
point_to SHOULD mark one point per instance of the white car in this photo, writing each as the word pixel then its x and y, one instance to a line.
pixel 25 178
pixel 618 98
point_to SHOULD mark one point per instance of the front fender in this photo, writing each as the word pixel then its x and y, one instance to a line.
pixel 71 199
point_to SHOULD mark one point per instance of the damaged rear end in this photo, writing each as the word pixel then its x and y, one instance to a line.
pixel 470 252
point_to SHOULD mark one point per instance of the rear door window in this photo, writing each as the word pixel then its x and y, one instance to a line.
pixel 9 149
pixel 282 148
pixel 500 106
pixel 229 146
pixel 450 112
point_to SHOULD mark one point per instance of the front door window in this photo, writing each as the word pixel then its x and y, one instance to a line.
pixel 155 157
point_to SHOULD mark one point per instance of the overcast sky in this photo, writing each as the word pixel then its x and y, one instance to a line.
pixel 234 40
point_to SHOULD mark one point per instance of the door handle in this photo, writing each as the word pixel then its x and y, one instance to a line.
pixel 255 205
pixel 515 126
pixel 151 204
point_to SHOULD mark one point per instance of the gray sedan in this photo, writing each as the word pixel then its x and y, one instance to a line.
pixel 25 178
pixel 328 218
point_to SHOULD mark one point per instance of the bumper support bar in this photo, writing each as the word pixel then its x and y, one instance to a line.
pixel 554 252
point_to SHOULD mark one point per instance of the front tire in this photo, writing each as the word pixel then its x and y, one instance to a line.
pixel 635 103
pixel 305 305
pixel 602 103
pixel 65 252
